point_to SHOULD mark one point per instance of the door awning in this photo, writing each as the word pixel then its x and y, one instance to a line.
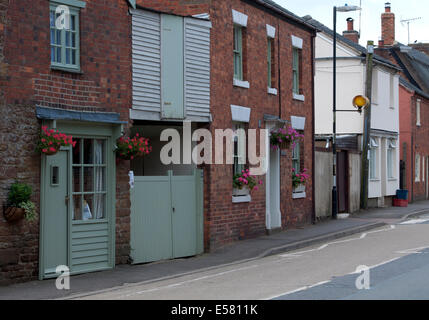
pixel 45 113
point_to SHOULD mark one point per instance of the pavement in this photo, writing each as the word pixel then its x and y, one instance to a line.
pixel 234 254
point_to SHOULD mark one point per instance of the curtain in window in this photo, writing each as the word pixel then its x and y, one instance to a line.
pixel 99 183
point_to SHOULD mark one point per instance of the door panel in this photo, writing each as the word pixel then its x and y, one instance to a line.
pixel 55 213
pixel 274 196
pixel 342 182
pixel 151 219
pixel 184 216
pixel 172 72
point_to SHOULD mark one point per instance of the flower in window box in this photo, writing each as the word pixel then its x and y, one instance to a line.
pixel 129 149
pixel 282 138
pixel 51 141
pixel 244 182
pixel 299 179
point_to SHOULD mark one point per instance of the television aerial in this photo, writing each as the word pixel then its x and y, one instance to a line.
pixel 408 21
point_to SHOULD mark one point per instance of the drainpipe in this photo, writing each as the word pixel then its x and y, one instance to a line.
pixel 313 121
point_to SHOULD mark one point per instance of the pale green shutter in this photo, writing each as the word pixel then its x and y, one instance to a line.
pixel 172 72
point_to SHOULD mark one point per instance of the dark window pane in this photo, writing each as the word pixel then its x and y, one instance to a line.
pixel 77 208
pixel 88 151
pixel 88 179
pixel 76 180
pixel 76 152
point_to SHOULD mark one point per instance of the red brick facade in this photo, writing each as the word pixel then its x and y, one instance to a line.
pixel 414 141
pixel 26 80
pixel 224 221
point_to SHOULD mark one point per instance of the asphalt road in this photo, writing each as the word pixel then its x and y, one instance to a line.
pixel 396 261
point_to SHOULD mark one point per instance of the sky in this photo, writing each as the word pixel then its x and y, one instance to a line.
pixel 322 10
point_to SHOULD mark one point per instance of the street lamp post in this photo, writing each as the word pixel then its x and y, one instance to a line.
pixel 345 8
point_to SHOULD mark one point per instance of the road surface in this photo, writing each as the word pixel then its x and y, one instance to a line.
pixel 395 260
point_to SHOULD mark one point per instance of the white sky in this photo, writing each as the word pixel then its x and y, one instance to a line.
pixel 321 10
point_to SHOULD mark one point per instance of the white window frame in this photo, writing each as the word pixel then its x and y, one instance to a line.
pixel 374 149
pixel 391 159
pixel 418 112
pixel 417 168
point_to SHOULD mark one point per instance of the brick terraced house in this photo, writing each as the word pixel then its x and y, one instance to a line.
pixel 165 70
pixel 413 107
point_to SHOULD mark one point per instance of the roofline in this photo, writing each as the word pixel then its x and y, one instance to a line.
pixel 281 11
pixel 413 88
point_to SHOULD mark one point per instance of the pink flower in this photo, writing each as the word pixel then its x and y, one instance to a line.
pixel 256 188
pixel 44 150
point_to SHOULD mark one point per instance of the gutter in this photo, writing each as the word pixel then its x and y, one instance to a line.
pixel 283 13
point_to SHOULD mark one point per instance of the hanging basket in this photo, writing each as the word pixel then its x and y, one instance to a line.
pixel 285 145
pixel 51 153
pixel 12 214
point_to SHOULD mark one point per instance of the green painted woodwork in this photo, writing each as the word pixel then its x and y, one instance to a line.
pixel 73 3
pixel 151 219
pixel 172 71
pixel 55 226
pixel 65 43
pixel 166 217
pixel 86 246
pixel 269 64
pixel 295 67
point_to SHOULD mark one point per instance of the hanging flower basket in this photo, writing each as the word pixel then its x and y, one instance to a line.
pixel 51 141
pixel 12 214
pixel 129 149
pixel 283 138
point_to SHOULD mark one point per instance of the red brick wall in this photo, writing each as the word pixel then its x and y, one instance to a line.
pixel 178 7
pixel 420 136
pixel 26 80
pixel 416 139
pixel 224 221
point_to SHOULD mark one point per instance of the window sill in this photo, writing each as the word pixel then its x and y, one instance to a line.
pixel 392 179
pixel 300 195
pixel 374 180
pixel 57 68
pixel 298 97
pixel 272 91
pixel 241 84
pixel 241 199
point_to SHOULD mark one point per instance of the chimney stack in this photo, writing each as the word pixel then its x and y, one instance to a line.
pixel 351 33
pixel 388 26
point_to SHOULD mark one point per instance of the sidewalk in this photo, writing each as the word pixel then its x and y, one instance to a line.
pixel 238 252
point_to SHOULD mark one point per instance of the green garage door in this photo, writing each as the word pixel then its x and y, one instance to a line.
pixel 166 217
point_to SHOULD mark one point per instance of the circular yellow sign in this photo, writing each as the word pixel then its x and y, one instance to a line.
pixel 360 101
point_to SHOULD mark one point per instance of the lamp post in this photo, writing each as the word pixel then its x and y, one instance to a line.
pixel 345 8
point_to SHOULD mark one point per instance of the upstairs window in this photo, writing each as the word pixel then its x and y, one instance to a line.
pixel 64 34
pixel 418 107
pixel 296 69
pixel 238 52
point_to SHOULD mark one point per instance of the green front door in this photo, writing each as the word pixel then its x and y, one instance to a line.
pixel 78 203
pixel 55 229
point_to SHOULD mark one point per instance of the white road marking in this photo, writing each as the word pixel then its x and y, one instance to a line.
pixel 412 251
pixel 185 282
pixel 415 221
pixel 298 290
pixel 363 236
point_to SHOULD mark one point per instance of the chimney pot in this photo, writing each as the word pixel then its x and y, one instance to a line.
pixel 350 24
pixel 388 7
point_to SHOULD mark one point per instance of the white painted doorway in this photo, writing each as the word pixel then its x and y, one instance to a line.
pixel 273 214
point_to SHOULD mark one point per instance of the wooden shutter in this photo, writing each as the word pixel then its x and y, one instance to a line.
pixel 197 68
pixel 172 67
pixel 146 45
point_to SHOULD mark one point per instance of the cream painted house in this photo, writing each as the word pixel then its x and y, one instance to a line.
pixel 384 146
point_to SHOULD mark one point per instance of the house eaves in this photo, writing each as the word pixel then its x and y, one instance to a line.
pixel 355 46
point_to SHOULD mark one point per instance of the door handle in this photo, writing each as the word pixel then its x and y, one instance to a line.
pixel 174 210
pixel 67 199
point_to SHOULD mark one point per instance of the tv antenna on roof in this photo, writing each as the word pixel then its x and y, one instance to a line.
pixel 407 21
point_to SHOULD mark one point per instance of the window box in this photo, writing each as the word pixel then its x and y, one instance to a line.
pixel 240 192
pixel 299 189
pixel 299 192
